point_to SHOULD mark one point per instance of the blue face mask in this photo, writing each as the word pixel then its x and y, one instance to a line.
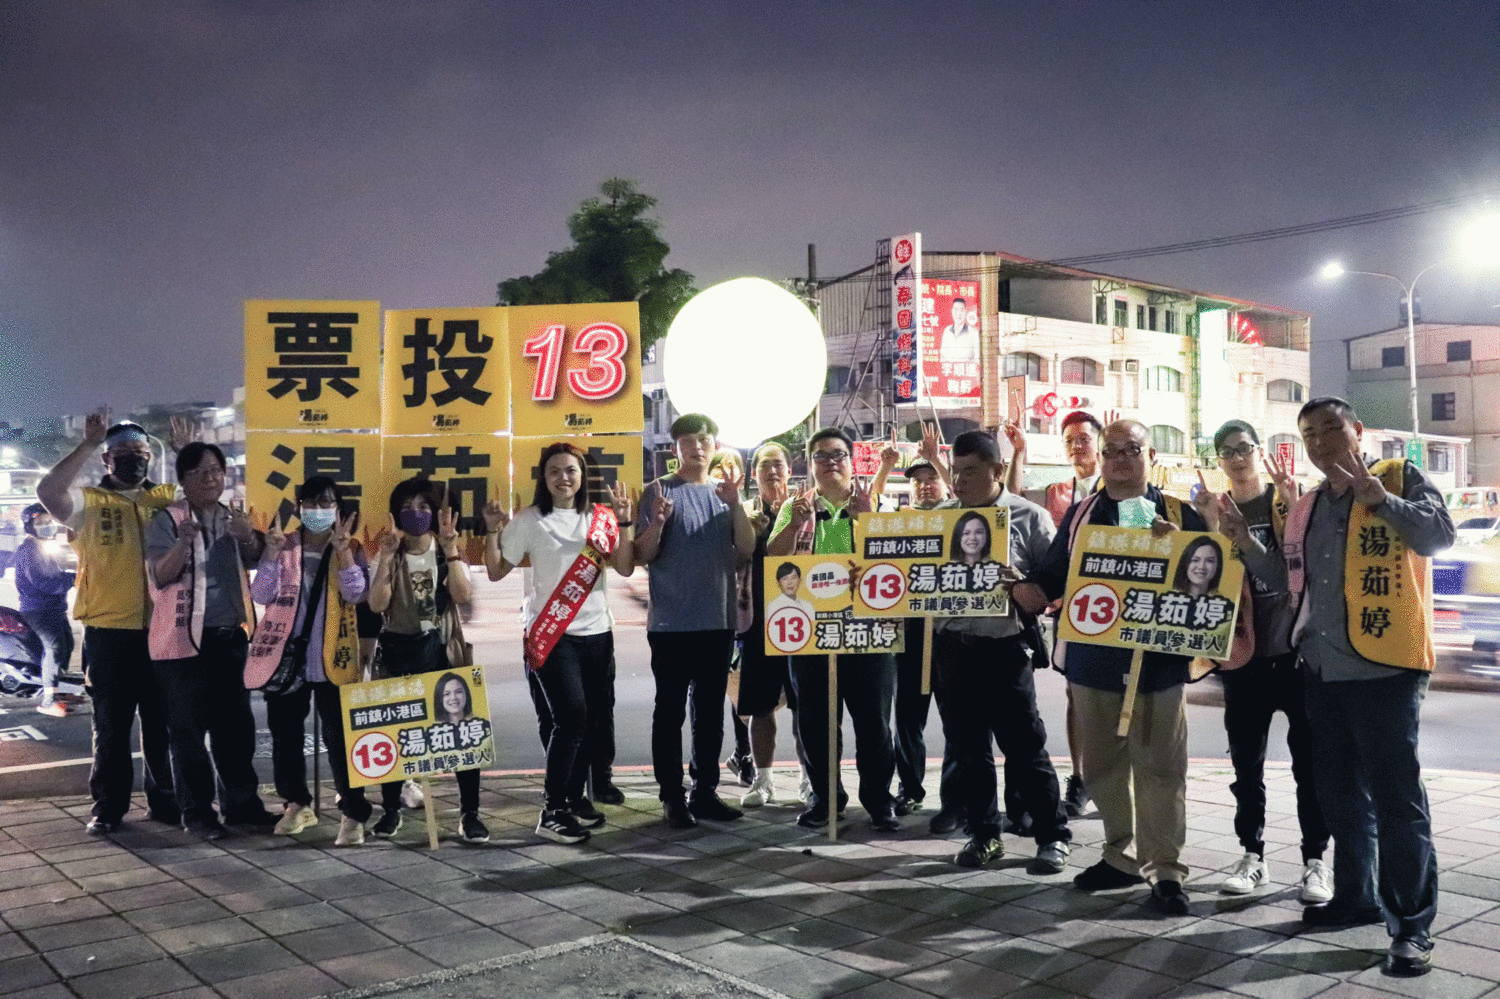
pixel 318 520
pixel 415 521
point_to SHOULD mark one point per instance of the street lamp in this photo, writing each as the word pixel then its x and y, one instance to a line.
pixel 1481 240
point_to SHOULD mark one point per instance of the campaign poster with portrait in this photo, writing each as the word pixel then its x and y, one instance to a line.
pixel 1178 593
pixel 312 365
pixel 933 563
pixel 416 726
pixel 809 609
pixel 950 343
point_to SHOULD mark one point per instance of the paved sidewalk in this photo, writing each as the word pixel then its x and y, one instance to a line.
pixel 757 906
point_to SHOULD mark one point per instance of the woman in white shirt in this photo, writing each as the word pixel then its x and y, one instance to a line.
pixel 569 629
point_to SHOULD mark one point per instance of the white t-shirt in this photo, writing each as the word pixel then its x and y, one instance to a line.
pixel 554 542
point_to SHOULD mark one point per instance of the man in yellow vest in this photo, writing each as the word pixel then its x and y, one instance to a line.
pixel 109 520
pixel 1357 551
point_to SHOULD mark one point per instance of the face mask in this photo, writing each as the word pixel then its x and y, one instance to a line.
pixel 415 521
pixel 318 520
pixel 47 531
pixel 130 469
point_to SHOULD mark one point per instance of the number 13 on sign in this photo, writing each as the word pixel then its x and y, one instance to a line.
pixel 1092 609
pixel 602 377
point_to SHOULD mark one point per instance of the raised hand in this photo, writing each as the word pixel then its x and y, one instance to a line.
pixel 447 534
pixel 860 500
pixel 275 542
pixel 1286 486
pixel 889 456
pixel 929 448
pixel 802 509
pixel 1110 416
pixel 1232 523
pixel 660 511
pixel 94 426
pixel 1161 527
pixel 1350 472
pixel 1207 503
pixel 728 489
pixel 187 531
pixel 388 541
pixel 1015 435
pixel 240 527
pixel 496 518
pixel 182 433
pixel 621 503
pixel 341 531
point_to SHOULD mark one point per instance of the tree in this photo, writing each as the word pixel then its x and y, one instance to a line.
pixel 617 256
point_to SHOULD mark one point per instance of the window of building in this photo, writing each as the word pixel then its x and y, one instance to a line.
pixel 1392 449
pixel 838 379
pixel 1438 459
pixel 1161 378
pixel 1151 319
pixel 1082 371
pixel 1029 365
pixel 1460 350
pixel 1167 440
pixel 1444 405
pixel 1101 310
pixel 1171 319
pixel 1140 317
pixel 1283 390
pixel 1393 357
pixel 1122 313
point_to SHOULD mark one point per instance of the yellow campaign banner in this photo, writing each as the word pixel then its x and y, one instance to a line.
pixel 312 365
pixel 415 726
pixel 1178 593
pixel 810 610
pixel 575 369
pixel 471 469
pixel 277 462
pixel 446 372
pixel 933 563
pixel 612 458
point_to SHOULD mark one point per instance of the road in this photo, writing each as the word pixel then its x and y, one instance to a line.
pixel 41 756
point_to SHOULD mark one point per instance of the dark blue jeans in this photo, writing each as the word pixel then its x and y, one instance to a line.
pixel 121 682
pixel 692 673
pixel 1370 785
pixel 1252 694
pixel 988 691
pixel 912 707
pixel 867 687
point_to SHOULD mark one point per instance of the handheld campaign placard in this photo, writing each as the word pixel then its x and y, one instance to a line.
pixel 809 610
pixel 933 563
pixel 1178 593
pixel 416 726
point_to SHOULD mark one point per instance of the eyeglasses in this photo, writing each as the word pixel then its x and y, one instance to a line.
pixel 1244 450
pixel 1124 450
pixel 829 457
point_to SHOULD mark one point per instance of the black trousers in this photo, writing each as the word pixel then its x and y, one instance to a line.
pixel 206 697
pixel 912 708
pixel 574 686
pixel 1252 694
pixel 467 780
pixel 988 692
pixel 597 750
pixel 286 717
pixel 121 682
pixel 692 672
pixel 867 687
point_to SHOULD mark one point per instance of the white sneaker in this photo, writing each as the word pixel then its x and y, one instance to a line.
pixel 411 795
pixel 1249 874
pixel 1317 883
pixel 297 818
pixel 351 833
pixel 761 792
pixel 804 790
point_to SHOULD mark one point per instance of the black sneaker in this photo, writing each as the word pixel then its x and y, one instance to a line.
pixel 711 806
pixel 906 804
pixel 388 824
pixel 605 793
pixel 560 827
pixel 102 827
pixel 675 813
pixel 1075 798
pixel 205 829
pixel 945 822
pixel 977 853
pixel 1167 898
pixel 471 830
pixel 262 819
pixel 885 822
pixel 1104 876
pixel 742 767
pixel 587 815
pixel 816 816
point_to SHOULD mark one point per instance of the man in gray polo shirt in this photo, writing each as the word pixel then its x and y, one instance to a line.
pixel 692 533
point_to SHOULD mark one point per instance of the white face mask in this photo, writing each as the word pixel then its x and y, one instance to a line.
pixel 46 531
pixel 318 520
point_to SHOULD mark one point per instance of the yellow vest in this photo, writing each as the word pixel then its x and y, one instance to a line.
pixel 112 556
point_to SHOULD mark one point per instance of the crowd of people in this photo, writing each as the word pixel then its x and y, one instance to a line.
pixel 170 636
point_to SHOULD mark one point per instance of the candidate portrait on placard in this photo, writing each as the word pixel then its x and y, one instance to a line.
pixel 1200 567
pixel 789 580
pixel 452 700
pixel 971 539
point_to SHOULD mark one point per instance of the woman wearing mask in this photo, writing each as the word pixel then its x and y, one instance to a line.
pixel 310 581
pixel 568 539
pixel 43 583
pixel 417 580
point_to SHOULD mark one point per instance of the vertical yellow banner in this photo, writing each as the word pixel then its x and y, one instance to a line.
pixel 472 468
pixel 312 365
pixel 612 458
pixel 575 369
pixel 446 372
pixel 277 462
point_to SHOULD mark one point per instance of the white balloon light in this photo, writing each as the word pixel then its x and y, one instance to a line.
pixel 748 354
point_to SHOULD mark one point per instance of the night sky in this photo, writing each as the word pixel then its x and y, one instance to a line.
pixel 162 162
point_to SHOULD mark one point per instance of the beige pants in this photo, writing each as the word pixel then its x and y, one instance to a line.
pixel 1153 757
